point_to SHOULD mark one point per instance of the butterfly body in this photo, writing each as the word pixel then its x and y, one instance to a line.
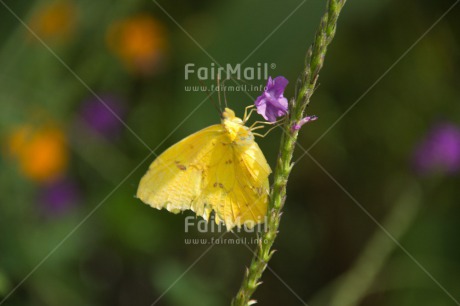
pixel 220 168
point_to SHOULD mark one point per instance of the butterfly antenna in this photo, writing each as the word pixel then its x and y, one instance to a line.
pixel 209 96
pixel 225 94
pixel 218 91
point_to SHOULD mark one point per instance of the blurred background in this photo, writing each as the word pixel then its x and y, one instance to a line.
pixel 72 231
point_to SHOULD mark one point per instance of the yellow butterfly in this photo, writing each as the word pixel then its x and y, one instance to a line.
pixel 220 168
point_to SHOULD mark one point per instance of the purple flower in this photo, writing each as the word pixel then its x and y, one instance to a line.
pixel 59 196
pixel 102 116
pixel 299 124
pixel 439 151
pixel 272 104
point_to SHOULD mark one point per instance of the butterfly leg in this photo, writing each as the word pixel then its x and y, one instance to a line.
pixel 260 122
pixel 257 128
pixel 266 133
pixel 246 115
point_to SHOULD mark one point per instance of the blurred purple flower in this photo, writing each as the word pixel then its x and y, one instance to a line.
pixel 102 117
pixel 272 104
pixel 439 151
pixel 59 196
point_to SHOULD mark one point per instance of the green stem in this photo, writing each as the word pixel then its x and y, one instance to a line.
pixel 353 286
pixel 313 64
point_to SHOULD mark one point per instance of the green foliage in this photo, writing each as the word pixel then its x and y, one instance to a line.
pixel 126 253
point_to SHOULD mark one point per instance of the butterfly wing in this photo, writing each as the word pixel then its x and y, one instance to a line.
pixel 206 172
pixel 174 179
pixel 237 184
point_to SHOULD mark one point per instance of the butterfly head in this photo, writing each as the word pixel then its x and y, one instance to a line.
pixel 237 131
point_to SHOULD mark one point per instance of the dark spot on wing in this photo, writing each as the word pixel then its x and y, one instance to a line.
pixel 216 184
pixel 181 167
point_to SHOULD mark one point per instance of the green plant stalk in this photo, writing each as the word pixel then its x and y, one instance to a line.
pixel 313 64
pixel 353 286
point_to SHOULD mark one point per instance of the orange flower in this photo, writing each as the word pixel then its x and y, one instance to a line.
pixel 55 21
pixel 140 43
pixel 41 152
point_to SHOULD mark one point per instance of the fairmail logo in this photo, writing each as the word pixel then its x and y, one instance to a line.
pixel 200 225
pixel 229 71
